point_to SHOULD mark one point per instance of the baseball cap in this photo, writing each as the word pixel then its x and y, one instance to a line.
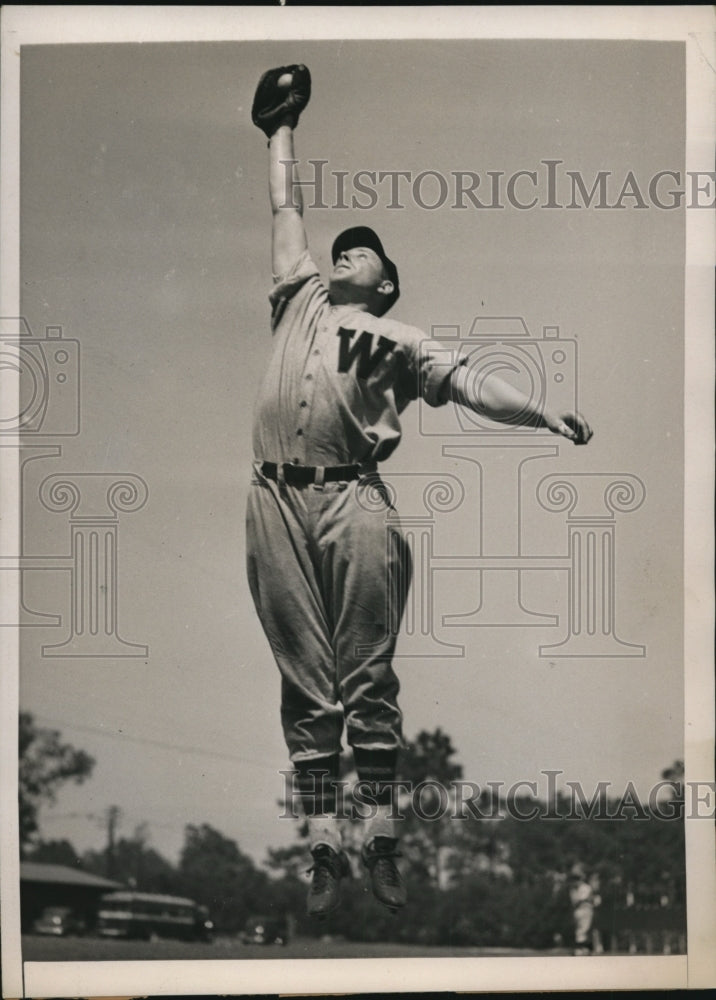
pixel 364 236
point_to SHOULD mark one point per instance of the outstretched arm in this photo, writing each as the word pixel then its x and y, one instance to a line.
pixel 491 396
pixel 281 95
pixel 288 235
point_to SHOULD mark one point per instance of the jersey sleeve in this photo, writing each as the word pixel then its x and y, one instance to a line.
pixel 287 285
pixel 429 364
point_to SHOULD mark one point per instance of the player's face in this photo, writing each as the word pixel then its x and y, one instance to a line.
pixel 360 267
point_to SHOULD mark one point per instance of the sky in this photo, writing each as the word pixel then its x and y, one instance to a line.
pixel 145 235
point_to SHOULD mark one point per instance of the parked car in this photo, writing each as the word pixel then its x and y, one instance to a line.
pixel 266 930
pixel 203 925
pixel 60 921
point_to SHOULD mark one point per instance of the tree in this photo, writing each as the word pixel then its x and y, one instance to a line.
pixel 54 852
pixel 427 776
pixel 215 872
pixel 136 864
pixel 428 758
pixel 46 763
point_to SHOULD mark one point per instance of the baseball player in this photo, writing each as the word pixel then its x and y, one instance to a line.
pixel 583 899
pixel 328 572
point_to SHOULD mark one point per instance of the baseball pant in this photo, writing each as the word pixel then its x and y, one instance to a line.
pixel 329 571
pixel 583 917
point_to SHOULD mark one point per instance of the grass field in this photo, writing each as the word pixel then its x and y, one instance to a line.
pixel 36 948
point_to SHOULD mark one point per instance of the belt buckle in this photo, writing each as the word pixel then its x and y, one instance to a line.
pixel 319 478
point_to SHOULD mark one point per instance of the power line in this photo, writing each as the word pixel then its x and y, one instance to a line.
pixel 119 735
pixel 53 817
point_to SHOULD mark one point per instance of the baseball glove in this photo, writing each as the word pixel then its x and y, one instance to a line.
pixel 273 104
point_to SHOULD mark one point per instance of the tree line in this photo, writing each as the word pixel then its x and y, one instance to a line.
pixel 497 876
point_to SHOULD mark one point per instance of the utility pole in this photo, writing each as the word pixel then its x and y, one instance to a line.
pixel 112 819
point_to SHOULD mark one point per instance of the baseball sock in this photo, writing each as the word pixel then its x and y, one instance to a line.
pixel 377 769
pixel 315 780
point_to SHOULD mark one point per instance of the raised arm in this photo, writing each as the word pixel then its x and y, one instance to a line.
pixel 288 234
pixel 491 396
pixel 281 95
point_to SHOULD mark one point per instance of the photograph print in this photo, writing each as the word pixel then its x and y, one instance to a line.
pixel 347 384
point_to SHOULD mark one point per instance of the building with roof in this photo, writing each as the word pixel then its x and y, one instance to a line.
pixel 43 885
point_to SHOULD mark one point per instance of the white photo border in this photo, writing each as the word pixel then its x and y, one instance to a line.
pixel 693 25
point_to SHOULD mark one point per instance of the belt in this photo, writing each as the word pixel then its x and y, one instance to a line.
pixel 306 475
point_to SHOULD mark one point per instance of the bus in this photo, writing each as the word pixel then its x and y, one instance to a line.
pixel 149 915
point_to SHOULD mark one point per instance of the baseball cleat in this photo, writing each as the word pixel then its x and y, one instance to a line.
pixel 386 881
pixel 328 868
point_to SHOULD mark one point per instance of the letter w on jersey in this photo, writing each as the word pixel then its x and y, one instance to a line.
pixel 362 350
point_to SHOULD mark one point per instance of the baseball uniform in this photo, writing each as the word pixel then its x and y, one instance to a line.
pixel 328 566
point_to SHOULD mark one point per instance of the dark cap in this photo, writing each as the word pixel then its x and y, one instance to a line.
pixel 363 236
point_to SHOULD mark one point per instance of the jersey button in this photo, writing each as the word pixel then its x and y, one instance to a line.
pixel 309 377
pixel 303 403
pixel 316 352
pixel 299 432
